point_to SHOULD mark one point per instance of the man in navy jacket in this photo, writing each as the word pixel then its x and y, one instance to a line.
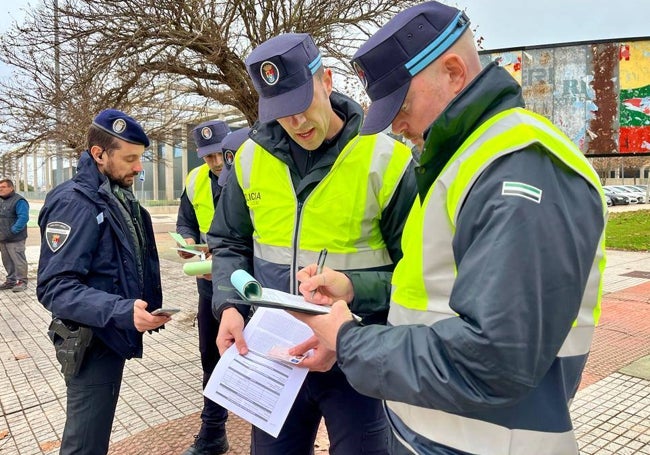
pixel 99 275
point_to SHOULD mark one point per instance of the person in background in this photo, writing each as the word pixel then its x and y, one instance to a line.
pixel 14 216
pixel 229 147
pixel 195 213
pixel 99 276
pixel 305 181
pixel 493 305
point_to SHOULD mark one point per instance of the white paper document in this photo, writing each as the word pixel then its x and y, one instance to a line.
pixel 256 387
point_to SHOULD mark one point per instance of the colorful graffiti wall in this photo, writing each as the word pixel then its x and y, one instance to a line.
pixel 598 94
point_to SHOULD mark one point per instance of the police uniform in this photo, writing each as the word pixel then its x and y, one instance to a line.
pixel 494 304
pixel 283 204
pixel 98 255
pixel 195 214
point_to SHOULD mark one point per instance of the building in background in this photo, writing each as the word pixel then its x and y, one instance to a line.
pixel 166 163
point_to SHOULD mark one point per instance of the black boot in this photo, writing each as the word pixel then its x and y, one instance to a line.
pixel 203 446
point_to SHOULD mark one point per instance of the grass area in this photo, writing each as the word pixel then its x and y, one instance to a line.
pixel 629 231
pixel 33 218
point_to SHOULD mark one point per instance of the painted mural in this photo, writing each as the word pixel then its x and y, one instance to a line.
pixel 634 68
pixel 598 94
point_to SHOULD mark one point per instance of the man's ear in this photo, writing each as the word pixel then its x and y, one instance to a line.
pixel 97 153
pixel 328 82
pixel 456 70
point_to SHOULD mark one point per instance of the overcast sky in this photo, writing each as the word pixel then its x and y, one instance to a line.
pixel 513 23
pixel 507 23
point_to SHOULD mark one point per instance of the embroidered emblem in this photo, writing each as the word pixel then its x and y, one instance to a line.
pixel 269 73
pixel 206 132
pixel 56 234
pixel 522 190
pixel 361 74
pixel 228 157
pixel 119 126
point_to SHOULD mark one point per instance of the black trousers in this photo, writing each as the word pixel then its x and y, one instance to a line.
pixel 356 424
pixel 91 402
pixel 213 416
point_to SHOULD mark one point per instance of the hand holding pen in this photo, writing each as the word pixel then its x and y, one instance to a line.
pixel 330 284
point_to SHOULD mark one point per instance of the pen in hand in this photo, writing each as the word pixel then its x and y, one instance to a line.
pixel 319 266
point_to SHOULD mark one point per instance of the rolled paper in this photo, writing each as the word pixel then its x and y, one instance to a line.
pixel 197 268
pixel 246 285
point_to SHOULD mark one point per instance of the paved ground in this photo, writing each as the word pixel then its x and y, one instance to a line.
pixel 158 409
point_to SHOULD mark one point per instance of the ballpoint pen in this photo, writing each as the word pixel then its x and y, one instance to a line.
pixel 319 266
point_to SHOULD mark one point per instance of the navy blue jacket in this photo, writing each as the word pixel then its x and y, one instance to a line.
pixel 90 275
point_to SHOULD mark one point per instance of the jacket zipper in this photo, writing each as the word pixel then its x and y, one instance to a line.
pixel 293 288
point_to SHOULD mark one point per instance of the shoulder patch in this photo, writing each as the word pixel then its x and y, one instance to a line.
pixel 520 189
pixel 56 234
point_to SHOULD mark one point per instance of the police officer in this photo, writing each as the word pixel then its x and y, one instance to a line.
pixel 99 275
pixel 195 213
pixel 494 304
pixel 305 181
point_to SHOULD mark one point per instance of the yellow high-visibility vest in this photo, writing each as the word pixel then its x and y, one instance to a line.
pixel 198 188
pixel 341 214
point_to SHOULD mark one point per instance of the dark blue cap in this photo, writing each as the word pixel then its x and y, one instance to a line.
pixel 282 70
pixel 229 147
pixel 208 136
pixel 118 124
pixel 402 48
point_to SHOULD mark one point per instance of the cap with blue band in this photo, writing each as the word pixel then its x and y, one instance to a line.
pixel 402 48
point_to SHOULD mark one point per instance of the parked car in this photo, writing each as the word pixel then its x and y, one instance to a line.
pixel 616 197
pixel 609 201
pixel 628 190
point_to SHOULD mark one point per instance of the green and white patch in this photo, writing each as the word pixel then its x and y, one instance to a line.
pixel 524 190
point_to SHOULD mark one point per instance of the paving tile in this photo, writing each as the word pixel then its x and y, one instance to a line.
pixel 161 394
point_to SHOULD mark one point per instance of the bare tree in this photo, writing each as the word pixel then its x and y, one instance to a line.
pixel 628 166
pixel 160 58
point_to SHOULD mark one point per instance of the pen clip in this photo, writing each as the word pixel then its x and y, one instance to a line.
pixel 319 266
pixel 321 260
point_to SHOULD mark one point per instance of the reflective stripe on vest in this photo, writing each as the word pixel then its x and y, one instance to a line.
pixel 479 437
pixel 342 212
pixel 198 188
pixel 424 278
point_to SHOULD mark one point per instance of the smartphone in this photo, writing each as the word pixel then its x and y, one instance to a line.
pixel 165 311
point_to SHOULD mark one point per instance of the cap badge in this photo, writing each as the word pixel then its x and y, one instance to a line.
pixel 361 74
pixel 206 132
pixel 228 157
pixel 269 73
pixel 119 126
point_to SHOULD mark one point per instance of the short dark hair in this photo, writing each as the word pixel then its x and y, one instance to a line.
pixel 8 182
pixel 97 136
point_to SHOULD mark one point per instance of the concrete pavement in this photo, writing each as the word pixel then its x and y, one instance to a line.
pixel 160 401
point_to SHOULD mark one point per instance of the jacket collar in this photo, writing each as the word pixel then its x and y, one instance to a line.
pixel 272 137
pixel 491 92
pixel 88 175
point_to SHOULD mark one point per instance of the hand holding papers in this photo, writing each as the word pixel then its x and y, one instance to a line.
pixel 256 386
pixel 198 249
